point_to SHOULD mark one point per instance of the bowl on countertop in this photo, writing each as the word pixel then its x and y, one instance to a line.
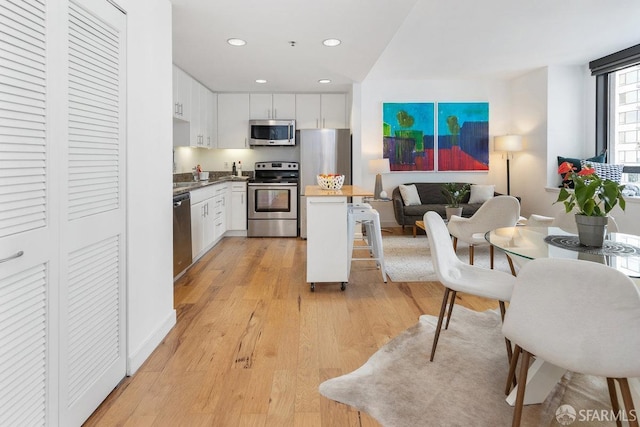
pixel 330 182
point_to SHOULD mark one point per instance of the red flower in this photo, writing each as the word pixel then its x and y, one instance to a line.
pixel 565 167
pixel 586 171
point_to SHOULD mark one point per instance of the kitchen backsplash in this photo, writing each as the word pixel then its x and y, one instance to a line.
pixel 185 158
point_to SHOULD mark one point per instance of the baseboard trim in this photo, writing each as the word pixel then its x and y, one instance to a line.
pixel 137 358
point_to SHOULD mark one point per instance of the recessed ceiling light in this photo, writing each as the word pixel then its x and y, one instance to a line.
pixel 324 81
pixel 331 42
pixel 261 81
pixel 236 42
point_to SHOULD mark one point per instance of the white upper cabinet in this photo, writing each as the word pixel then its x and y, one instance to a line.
pixel 333 110
pixel 233 120
pixel 211 140
pixel 315 111
pixel 272 106
pixel 181 94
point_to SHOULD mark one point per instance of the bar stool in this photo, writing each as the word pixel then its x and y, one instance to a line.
pixel 370 219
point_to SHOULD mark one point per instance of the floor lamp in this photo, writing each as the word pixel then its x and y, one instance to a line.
pixel 379 166
pixel 508 144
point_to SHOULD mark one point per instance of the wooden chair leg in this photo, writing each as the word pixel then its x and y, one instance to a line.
pixel 614 399
pixel 451 303
pixel 510 261
pixel 470 254
pixel 511 376
pixel 628 400
pixel 491 248
pixel 502 313
pixel 455 244
pixel 522 382
pixel 439 326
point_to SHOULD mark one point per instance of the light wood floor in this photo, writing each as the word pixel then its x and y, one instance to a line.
pixel 252 342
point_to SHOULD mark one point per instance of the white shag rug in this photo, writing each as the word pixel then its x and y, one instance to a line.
pixel 408 259
pixel 463 386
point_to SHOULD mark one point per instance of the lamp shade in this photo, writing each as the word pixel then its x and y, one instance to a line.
pixel 507 143
pixel 379 166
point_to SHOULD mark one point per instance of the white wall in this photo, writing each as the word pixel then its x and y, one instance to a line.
pixel 149 137
pixel 554 109
pixel 367 130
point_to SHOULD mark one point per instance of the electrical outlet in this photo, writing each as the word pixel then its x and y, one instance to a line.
pixel 226 165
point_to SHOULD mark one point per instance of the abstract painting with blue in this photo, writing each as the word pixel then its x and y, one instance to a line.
pixel 408 135
pixel 463 136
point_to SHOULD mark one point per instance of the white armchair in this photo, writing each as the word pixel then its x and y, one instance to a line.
pixel 497 212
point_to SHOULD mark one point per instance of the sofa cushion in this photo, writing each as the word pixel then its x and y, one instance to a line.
pixel 481 193
pixel 410 195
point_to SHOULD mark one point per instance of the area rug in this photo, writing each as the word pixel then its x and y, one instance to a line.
pixel 463 386
pixel 408 259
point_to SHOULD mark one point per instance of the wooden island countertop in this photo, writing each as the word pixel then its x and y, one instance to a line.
pixel 345 191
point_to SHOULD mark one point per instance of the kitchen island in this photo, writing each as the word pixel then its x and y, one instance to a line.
pixel 327 233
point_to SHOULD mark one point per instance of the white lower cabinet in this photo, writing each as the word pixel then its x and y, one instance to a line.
pixel 203 218
pixel 220 211
pixel 238 208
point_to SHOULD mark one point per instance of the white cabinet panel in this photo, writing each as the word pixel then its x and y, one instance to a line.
pixel 308 111
pixel 272 106
pixel 181 94
pixel 197 227
pixel 233 120
pixel 333 110
pixel 238 208
pixel 327 110
pixel 327 239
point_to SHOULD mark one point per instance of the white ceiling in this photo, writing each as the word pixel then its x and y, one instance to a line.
pixel 390 39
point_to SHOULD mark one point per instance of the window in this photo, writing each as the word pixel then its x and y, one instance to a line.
pixel 618 110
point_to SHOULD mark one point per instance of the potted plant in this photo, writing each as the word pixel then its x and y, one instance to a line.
pixel 454 194
pixel 594 198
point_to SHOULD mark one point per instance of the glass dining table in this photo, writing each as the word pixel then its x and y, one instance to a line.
pixel 620 251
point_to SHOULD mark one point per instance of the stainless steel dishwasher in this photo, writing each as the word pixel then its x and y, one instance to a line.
pixel 181 232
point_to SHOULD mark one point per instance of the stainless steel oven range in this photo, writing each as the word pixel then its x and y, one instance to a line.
pixel 273 200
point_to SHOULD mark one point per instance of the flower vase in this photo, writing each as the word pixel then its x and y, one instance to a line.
pixel 453 211
pixel 591 230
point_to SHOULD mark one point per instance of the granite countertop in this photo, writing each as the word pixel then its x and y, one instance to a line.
pixel 186 186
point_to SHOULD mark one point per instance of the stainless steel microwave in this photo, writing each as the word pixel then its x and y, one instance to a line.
pixel 272 132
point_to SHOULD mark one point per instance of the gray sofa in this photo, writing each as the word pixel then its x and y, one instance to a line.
pixel 432 200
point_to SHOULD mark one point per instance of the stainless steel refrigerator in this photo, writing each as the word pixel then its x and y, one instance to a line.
pixel 321 151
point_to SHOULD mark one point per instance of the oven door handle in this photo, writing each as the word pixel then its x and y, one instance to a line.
pixel 272 184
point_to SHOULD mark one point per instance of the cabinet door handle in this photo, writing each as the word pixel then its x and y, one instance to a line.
pixel 323 123
pixel 14 256
pixel 317 123
pixel 275 113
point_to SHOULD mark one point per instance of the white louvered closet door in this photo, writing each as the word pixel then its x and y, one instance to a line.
pixel 92 270
pixel 62 213
pixel 28 223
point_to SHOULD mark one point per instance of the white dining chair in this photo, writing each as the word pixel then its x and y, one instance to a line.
pixel 457 276
pixel 581 316
pixel 497 212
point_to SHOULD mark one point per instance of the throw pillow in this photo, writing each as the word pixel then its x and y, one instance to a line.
pixel 409 195
pixel 481 193
pixel 605 170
